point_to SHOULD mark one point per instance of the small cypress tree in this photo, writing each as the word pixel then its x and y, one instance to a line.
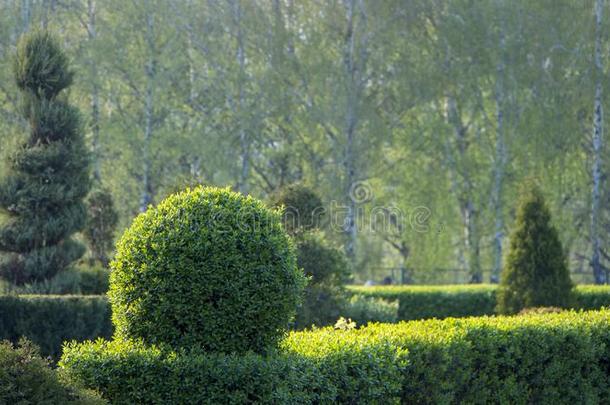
pixel 101 224
pixel 536 272
pixel 41 197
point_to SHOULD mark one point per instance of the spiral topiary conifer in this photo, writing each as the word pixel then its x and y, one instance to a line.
pixel 536 272
pixel 41 197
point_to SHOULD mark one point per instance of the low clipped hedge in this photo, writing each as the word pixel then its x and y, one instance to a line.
pixel 49 320
pixel 537 358
pixel 443 301
pixel 128 372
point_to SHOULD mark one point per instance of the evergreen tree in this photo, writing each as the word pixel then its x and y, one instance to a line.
pixel 536 272
pixel 101 224
pixel 325 266
pixel 41 196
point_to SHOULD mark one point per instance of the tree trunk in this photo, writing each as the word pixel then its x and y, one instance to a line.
pixel 500 157
pixel 463 193
pixel 147 189
pixel 598 121
pixel 95 101
pixel 351 122
pixel 244 141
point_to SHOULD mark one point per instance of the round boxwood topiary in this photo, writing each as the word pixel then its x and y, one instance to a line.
pixel 207 267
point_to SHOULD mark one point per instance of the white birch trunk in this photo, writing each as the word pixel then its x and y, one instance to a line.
pixel 95 101
pixel 244 141
pixel 351 123
pixel 500 159
pixel 598 121
pixel 146 197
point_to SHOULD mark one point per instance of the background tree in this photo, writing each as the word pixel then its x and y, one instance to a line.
pixel 48 174
pixel 536 272
pixel 325 266
pixel 101 224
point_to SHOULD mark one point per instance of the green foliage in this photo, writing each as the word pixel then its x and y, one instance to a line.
pixel 126 372
pixel 207 267
pixel 443 301
pixel 25 378
pixel 423 302
pixel 303 209
pixel 42 195
pixel 362 310
pixel 101 224
pixel 546 359
pixel 49 320
pixel 534 358
pixel 536 272
pixel 323 264
pixel 41 67
pixel 86 279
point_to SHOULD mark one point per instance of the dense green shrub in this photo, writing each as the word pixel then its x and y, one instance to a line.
pixel 102 219
pixel 543 359
pixel 41 195
pixel 131 372
pixel 424 302
pixel 25 378
pixel 302 208
pixel 49 320
pixel 362 310
pixel 327 269
pixel 536 272
pixel 207 267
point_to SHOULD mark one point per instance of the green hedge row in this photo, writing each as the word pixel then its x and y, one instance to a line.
pixel 425 302
pixel 547 359
pixel 49 320
pixel 130 372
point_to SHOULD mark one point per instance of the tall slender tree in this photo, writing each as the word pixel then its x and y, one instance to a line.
pixel 598 122
pixel 41 198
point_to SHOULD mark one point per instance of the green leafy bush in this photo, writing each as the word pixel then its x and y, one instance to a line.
pixel 536 272
pixel 131 372
pixel 302 208
pixel 25 378
pixel 82 279
pixel 536 358
pixel 362 310
pixel 102 219
pixel 443 301
pixel 326 266
pixel 327 269
pixel 49 320
pixel 207 267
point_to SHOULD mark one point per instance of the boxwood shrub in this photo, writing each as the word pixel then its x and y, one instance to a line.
pixel 26 378
pixel 443 301
pixel 207 267
pixel 128 372
pixel 49 320
pixel 537 358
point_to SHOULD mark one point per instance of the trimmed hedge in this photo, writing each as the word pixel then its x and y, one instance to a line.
pixel 125 372
pixel 444 301
pixel 547 359
pixel 206 267
pixel 49 320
